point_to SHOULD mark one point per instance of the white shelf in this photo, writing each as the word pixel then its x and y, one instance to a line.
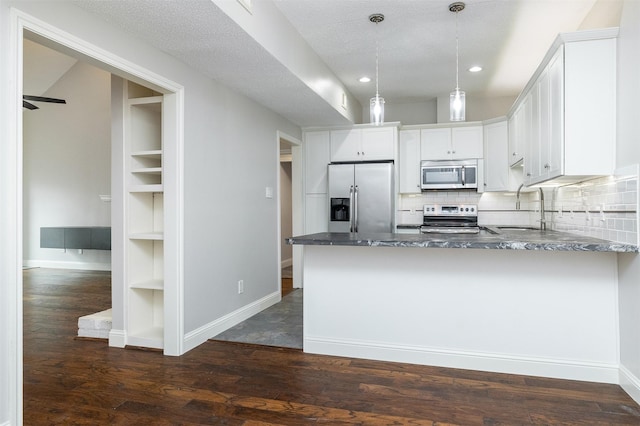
pixel 155 236
pixel 147 100
pixel 149 170
pixel 146 188
pixel 152 337
pixel 154 153
pixel 156 284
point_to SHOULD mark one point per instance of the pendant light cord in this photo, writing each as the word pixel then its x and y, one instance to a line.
pixel 457 53
pixel 377 94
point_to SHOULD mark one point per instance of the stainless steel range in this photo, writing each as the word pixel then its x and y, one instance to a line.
pixel 450 219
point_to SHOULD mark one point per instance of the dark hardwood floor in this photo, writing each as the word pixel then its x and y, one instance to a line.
pixel 74 381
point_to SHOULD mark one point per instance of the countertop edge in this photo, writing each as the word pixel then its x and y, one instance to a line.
pixel 502 242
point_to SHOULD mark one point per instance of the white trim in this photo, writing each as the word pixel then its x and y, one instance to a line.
pixel 56 264
pixel 207 331
pixel 13 245
pixel 117 338
pixel 296 203
pixel 286 263
pixel 629 383
pixel 497 363
pixel 174 142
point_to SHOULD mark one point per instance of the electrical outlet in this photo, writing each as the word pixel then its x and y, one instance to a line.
pixel 240 286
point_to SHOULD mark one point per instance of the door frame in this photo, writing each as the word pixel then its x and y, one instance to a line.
pixel 11 247
pixel 296 202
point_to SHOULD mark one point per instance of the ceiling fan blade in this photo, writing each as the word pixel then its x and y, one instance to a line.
pixel 28 105
pixel 43 99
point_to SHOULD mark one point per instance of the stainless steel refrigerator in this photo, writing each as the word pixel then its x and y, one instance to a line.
pixel 361 197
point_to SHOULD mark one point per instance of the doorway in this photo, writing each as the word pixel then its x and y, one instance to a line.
pixel 290 221
pixel 25 27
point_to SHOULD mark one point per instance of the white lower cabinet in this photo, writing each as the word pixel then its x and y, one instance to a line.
pixel 316 217
pixel 316 157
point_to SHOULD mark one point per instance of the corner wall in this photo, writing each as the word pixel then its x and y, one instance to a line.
pixel 628 154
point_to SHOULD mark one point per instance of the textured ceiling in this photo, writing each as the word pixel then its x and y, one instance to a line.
pixel 508 38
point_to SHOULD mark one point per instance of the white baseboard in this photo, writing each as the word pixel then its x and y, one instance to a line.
pixel 117 338
pixel 286 263
pixel 630 383
pixel 207 331
pixel 54 264
pixel 497 363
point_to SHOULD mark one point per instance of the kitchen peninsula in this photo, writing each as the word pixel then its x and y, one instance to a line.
pixel 541 303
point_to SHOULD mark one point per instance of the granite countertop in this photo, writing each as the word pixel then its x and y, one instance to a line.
pixel 488 238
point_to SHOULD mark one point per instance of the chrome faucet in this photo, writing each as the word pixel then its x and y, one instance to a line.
pixel 518 196
pixel 543 222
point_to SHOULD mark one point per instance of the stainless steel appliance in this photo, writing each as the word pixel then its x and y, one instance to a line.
pixel 449 174
pixel 450 219
pixel 361 197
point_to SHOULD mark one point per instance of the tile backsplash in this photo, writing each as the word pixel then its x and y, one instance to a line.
pixel 604 208
pixel 601 208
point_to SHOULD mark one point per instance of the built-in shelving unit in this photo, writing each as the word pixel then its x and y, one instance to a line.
pixel 145 218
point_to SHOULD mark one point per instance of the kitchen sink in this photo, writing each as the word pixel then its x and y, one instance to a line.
pixel 518 228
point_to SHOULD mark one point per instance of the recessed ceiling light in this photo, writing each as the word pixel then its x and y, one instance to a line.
pixel 475 68
pixel 364 80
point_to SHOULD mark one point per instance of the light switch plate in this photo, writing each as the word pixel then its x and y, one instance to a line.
pixel 268 192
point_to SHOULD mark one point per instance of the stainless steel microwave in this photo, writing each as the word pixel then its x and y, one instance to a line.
pixel 449 174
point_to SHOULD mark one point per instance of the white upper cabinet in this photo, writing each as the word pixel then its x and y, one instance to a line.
pixel 496 157
pixel 565 117
pixel 409 161
pixel 368 144
pixel 446 143
pixel 516 145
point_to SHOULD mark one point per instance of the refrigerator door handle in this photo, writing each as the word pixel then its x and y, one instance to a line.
pixel 351 207
pixel 355 216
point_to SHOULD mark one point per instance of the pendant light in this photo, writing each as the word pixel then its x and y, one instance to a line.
pixel 457 97
pixel 376 104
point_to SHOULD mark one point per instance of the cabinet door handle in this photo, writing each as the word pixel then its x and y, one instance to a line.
pixel 528 174
pixel 453 152
pixel 546 166
pixel 514 154
pixel 448 152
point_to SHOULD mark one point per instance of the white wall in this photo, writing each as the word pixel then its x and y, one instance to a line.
pixel 437 110
pixel 67 164
pixel 628 153
pixel 477 108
